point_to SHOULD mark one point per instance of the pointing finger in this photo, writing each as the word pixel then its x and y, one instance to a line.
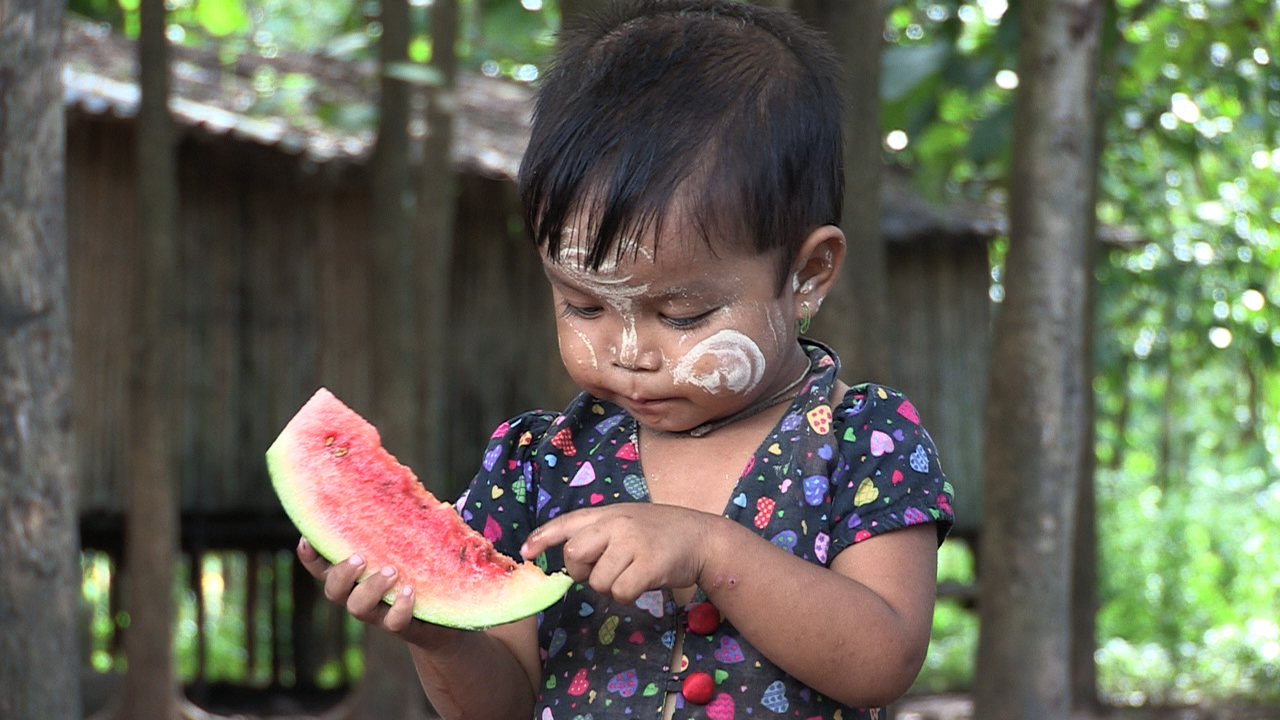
pixel 557 531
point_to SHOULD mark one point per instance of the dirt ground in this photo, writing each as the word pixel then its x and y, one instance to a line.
pixel 224 703
pixel 960 707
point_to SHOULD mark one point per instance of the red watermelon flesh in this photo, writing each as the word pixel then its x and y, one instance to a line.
pixel 346 494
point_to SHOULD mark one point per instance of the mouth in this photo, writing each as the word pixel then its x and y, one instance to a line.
pixel 644 402
pixel 647 406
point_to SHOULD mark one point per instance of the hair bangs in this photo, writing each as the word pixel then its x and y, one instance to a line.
pixel 725 113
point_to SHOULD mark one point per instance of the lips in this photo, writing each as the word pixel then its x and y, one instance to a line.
pixel 645 402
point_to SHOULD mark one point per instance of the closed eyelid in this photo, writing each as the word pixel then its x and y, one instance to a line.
pixel 691 321
pixel 569 310
pixel 682 306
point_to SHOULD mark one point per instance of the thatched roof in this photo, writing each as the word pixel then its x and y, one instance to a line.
pixel 219 103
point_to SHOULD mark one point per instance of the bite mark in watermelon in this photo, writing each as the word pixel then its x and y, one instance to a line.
pixel 347 494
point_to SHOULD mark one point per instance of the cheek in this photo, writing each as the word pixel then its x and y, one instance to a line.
pixel 727 362
pixel 704 364
pixel 774 330
pixel 577 349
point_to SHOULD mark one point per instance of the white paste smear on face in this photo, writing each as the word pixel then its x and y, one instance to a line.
pixel 737 364
pixel 614 289
pixel 778 326
pixel 586 342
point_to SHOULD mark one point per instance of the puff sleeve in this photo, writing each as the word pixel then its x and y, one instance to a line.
pixel 502 500
pixel 890 476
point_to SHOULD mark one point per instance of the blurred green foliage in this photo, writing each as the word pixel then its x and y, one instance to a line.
pixel 1187 381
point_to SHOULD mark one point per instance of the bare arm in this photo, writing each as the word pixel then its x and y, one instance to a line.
pixel 468 675
pixel 857 632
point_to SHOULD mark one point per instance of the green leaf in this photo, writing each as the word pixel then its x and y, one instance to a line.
pixel 420 49
pixel 221 17
pixel 992 136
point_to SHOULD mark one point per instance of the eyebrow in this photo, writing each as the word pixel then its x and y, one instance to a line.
pixel 553 273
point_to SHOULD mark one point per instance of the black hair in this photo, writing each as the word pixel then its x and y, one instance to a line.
pixel 733 108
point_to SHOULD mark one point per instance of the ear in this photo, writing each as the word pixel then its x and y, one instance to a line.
pixel 817 266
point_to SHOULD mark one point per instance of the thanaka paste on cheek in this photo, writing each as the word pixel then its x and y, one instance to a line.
pixel 727 361
pixel 591 349
pixel 779 327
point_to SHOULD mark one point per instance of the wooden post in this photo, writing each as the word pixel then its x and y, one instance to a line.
pixel 860 299
pixel 435 224
pixel 277 638
pixel 303 628
pixel 151 534
pixel 195 579
pixel 251 589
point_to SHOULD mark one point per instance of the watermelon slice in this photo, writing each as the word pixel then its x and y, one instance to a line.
pixel 347 494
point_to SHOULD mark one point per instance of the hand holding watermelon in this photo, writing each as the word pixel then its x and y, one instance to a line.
pixel 365 600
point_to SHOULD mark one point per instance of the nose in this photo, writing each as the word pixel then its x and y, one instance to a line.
pixel 631 352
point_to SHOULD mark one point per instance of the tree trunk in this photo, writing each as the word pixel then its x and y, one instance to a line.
pixel 39 593
pixel 1084 571
pixel 857 308
pixel 389 689
pixel 394 301
pixel 435 218
pixel 1084 560
pixel 151 529
pixel 1084 575
pixel 1035 422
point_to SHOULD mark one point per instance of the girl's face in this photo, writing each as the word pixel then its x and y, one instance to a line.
pixel 681 336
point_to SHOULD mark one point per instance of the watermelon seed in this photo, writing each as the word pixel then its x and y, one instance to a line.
pixel 329 440
pixel 339 452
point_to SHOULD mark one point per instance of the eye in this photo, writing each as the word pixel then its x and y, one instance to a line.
pixel 688 323
pixel 570 310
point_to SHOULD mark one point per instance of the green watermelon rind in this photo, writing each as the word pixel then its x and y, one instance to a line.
pixel 530 590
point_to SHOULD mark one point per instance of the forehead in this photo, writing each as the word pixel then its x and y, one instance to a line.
pixel 689 221
pixel 689 274
pixel 671 263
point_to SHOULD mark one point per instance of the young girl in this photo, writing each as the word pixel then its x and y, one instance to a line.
pixel 750 536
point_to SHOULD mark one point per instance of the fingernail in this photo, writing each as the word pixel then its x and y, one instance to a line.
pixel 303 544
pixel 388 571
pixel 356 560
pixel 407 591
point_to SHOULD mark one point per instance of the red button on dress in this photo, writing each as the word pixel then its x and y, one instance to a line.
pixel 704 618
pixel 698 688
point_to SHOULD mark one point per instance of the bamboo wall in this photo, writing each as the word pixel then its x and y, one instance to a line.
pixel 277 300
pixel 941 354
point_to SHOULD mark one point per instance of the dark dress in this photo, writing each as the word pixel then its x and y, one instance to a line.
pixel 825 478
